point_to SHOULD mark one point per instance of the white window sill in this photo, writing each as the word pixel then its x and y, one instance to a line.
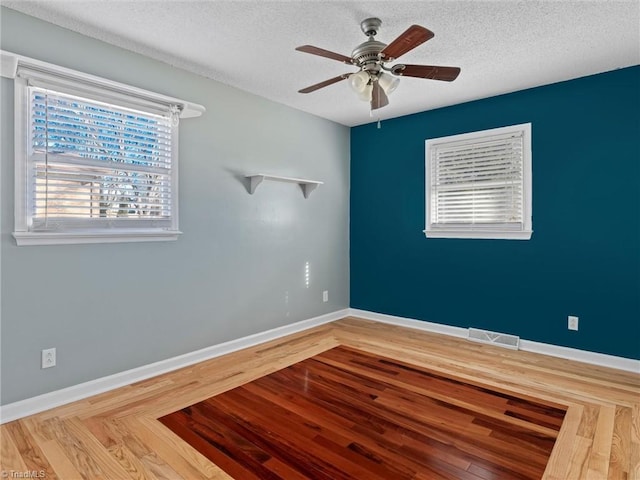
pixel 89 236
pixel 486 234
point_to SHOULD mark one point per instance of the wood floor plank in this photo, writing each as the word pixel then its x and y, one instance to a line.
pixel 59 461
pixel 620 444
pixel 116 435
pixel 579 464
pixel 602 443
pixel 31 454
pixel 589 420
pixel 634 449
pixel 10 457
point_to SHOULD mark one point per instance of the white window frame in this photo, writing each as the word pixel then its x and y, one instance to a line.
pixel 28 72
pixel 482 231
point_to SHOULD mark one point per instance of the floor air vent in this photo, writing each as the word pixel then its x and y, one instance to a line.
pixel 494 338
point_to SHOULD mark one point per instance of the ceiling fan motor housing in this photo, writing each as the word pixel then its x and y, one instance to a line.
pixel 367 55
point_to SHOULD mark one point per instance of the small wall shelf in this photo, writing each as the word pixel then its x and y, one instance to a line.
pixel 308 186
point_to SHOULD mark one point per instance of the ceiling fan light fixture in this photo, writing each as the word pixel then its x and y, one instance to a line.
pixel 388 82
pixel 359 81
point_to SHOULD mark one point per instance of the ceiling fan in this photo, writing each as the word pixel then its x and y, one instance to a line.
pixel 372 83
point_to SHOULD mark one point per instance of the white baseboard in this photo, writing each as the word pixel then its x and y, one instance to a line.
pixel 410 323
pixel 46 401
pixel 585 356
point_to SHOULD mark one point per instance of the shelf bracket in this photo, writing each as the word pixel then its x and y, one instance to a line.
pixel 255 181
pixel 307 188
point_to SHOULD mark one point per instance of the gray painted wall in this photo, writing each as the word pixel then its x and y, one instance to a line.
pixel 239 267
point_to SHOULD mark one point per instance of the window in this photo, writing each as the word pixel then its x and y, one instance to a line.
pixel 478 185
pixel 96 161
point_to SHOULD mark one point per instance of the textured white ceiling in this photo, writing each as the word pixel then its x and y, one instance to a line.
pixel 500 46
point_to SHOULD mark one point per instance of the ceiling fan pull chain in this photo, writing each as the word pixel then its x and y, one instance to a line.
pixel 379 126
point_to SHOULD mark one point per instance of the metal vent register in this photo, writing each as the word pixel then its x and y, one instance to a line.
pixel 494 338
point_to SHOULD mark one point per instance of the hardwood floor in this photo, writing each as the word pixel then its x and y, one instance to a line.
pixel 349 415
pixel 117 435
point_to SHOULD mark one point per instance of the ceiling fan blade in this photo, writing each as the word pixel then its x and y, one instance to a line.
pixel 326 83
pixel 324 53
pixel 379 99
pixel 446 74
pixel 412 37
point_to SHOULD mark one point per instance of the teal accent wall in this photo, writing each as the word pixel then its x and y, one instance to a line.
pixel 584 256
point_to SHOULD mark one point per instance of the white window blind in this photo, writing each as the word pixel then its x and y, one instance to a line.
pixel 478 185
pixel 95 165
pixel 96 161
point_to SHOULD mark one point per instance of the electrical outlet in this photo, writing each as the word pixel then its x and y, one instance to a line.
pixel 49 358
pixel 325 296
pixel 572 323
